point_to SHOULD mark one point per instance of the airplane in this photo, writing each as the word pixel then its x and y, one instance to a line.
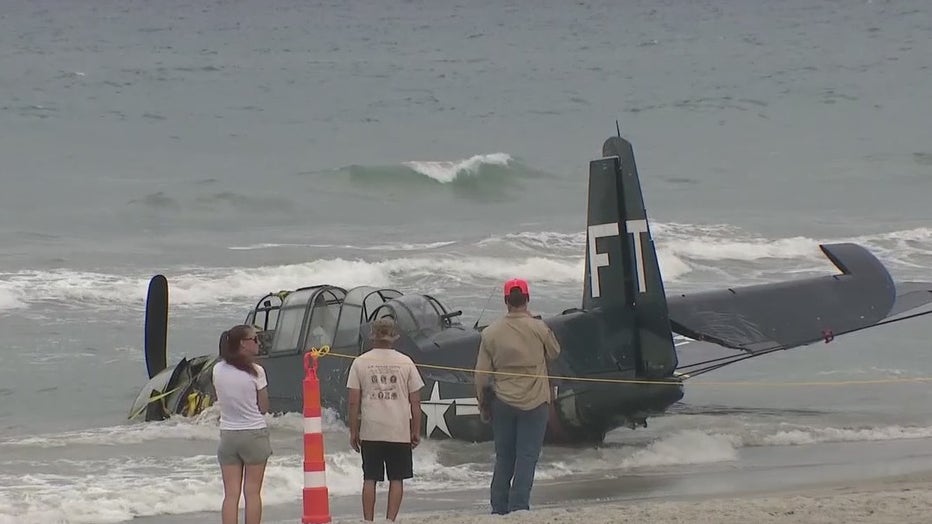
pixel 619 363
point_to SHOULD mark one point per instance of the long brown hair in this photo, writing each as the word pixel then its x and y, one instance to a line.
pixel 232 351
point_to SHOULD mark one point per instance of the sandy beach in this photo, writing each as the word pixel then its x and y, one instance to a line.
pixel 900 499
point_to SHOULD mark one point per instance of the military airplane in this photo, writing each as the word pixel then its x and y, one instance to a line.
pixel 619 363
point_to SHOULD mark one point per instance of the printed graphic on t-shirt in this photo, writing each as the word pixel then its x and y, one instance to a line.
pixel 383 382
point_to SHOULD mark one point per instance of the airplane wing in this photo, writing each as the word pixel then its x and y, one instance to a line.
pixel 910 296
pixel 771 317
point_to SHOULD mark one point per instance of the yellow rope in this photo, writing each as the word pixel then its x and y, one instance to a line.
pixel 325 350
pixel 151 400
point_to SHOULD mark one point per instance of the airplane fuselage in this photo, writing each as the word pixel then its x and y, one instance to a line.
pixel 596 350
pixel 618 364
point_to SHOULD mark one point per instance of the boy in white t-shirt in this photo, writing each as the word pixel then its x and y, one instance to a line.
pixel 384 416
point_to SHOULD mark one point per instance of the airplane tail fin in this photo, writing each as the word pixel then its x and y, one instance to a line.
pixel 622 271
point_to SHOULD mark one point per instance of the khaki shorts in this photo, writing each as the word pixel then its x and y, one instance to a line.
pixel 244 446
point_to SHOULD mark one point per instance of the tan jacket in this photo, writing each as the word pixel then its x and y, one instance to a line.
pixel 521 344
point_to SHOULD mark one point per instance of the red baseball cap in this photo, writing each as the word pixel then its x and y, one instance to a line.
pixel 519 283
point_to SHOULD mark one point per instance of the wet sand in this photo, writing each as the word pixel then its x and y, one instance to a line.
pixel 906 499
pixel 887 481
pixel 900 499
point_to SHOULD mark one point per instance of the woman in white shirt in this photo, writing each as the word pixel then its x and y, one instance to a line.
pixel 243 396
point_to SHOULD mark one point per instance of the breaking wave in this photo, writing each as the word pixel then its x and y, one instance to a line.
pixel 726 242
pixel 121 488
pixel 741 431
pixel 494 165
pixel 211 286
pixel 109 489
pixel 683 447
pixel 684 247
pixel 491 176
pixel 202 427
pixel 8 300
pixel 808 435
pixel 414 246
pixel 445 172
pixel 539 240
pixel 689 255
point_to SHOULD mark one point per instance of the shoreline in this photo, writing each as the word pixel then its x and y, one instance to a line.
pixel 882 481
pixel 896 499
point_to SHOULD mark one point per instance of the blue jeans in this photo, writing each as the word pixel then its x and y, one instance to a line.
pixel 519 437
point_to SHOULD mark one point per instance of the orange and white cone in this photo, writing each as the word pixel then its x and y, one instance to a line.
pixel 316 496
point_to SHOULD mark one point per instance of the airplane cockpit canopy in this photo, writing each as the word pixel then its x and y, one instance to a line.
pixel 307 313
pixel 360 303
pixel 418 316
pixel 324 315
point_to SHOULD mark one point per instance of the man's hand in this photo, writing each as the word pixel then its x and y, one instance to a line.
pixel 485 415
pixel 355 398
pixel 415 440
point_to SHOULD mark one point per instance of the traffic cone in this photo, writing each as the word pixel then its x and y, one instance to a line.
pixel 316 497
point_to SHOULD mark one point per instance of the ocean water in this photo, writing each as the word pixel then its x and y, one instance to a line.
pixel 437 147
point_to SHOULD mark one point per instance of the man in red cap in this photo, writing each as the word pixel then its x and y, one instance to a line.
pixel 516 399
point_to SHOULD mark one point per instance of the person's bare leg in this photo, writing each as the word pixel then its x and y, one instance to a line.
pixel 252 491
pixel 396 490
pixel 232 484
pixel 368 500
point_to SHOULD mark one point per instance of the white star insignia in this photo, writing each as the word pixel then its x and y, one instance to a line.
pixel 436 408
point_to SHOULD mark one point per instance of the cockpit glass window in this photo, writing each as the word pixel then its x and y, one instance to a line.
pixel 289 329
pixel 404 320
pixel 324 317
pixel 348 327
pixel 267 318
pixel 416 315
pixel 291 318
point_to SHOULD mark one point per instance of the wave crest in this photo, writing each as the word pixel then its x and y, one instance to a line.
pixel 211 286
pixel 8 300
pixel 446 172
pixel 487 177
pixel 688 255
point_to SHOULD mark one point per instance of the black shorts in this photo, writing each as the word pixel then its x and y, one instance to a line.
pixel 393 458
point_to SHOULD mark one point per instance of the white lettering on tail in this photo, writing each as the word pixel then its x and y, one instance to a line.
pixel 635 228
pixel 597 260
